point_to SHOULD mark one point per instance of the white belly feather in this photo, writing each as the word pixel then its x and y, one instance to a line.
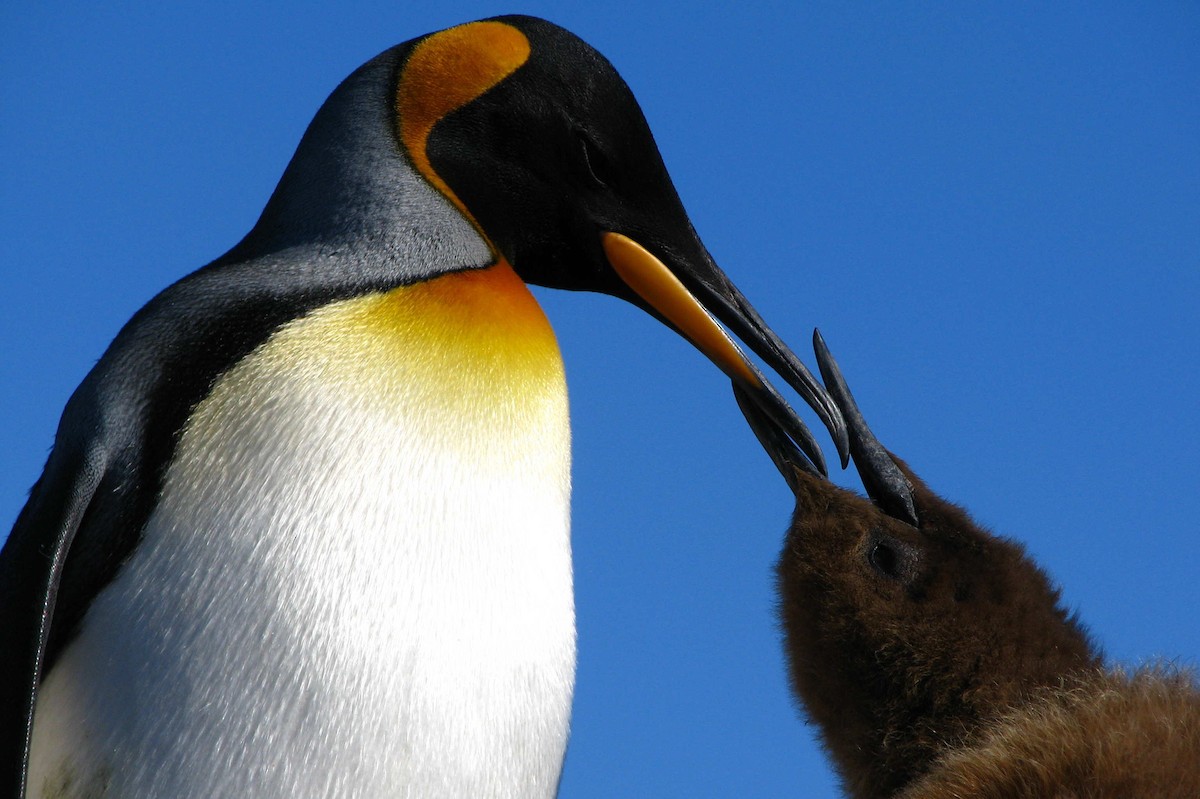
pixel 356 583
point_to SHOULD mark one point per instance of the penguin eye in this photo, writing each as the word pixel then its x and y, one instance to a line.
pixel 599 170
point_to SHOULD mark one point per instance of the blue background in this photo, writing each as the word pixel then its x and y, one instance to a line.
pixel 992 212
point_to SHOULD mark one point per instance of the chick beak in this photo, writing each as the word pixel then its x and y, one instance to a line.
pixel 885 484
pixel 697 298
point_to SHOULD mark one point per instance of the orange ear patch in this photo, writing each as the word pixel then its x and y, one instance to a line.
pixel 445 71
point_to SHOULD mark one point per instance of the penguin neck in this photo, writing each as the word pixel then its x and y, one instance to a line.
pixel 350 191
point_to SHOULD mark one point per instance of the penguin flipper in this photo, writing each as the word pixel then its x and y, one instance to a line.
pixel 31 565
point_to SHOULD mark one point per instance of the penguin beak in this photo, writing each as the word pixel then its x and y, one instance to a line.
pixel 882 478
pixel 697 298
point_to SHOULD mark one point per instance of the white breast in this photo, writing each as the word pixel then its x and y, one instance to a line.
pixel 356 583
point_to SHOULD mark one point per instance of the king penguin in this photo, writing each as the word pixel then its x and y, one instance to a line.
pixel 304 528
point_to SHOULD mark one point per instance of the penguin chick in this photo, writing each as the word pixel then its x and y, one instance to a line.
pixel 937 659
pixel 901 640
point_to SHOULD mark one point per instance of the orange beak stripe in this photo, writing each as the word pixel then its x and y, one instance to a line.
pixel 658 286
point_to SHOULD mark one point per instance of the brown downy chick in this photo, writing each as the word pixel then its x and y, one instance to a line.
pixel 902 639
pixel 1097 735
pixel 936 658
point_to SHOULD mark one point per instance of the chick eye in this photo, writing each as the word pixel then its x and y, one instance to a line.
pixel 895 558
pixel 596 163
pixel 885 559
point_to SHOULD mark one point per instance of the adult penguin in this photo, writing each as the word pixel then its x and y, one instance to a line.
pixel 304 528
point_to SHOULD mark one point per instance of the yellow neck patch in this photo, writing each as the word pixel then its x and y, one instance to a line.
pixel 461 358
pixel 446 71
pixel 486 316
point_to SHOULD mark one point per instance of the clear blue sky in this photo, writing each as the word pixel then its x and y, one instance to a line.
pixel 993 214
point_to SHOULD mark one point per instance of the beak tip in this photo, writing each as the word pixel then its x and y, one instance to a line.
pixel 837 420
pixel 884 481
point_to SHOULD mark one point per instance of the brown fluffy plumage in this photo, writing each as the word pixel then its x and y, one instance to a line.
pixel 1098 735
pixel 938 663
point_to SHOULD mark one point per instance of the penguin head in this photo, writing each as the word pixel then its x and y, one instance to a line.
pixel 541 145
pixel 906 623
pixel 555 156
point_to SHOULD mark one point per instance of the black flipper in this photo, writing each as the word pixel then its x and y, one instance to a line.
pixel 31 566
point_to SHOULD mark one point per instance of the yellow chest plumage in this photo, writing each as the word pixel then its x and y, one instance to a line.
pixel 470 354
pixel 357 580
